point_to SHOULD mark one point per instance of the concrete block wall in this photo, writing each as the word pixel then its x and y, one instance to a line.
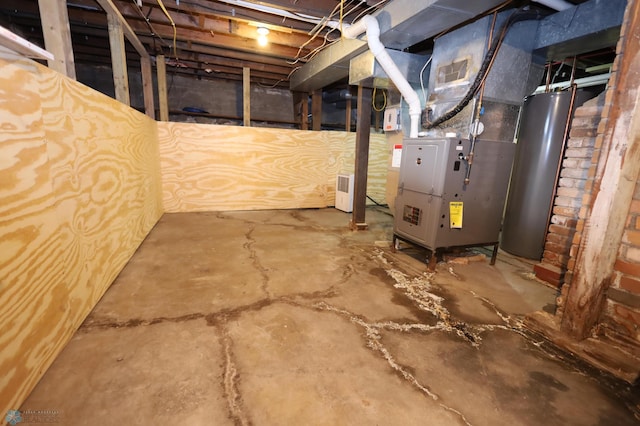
pixel 563 236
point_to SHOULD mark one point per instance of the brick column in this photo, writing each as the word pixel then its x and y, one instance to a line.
pixel 561 243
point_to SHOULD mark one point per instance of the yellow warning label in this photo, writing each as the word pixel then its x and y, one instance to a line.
pixel 455 214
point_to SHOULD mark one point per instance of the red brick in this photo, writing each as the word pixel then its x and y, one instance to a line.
pixel 631 237
pixel 628 268
pixel 633 254
pixel 635 207
pixel 582 132
pixel 579 152
pixel 559 248
pixel 575 142
pixel 626 317
pixel 637 223
pixel 602 127
pixel 570 265
pixel 570 192
pixel 630 284
pixel 574 248
pixel 549 273
pixel 580 226
pixel 563 240
pixel 565 211
pixel 561 230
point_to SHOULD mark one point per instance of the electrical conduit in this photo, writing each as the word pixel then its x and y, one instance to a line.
pixel 369 24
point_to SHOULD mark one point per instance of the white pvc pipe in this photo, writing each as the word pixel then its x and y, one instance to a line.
pixel 556 4
pixel 370 24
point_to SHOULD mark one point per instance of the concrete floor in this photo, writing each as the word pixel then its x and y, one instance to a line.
pixel 288 318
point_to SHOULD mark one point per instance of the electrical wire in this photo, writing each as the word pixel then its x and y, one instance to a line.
pixel 173 24
pixel 154 33
pixel 424 94
pixel 373 100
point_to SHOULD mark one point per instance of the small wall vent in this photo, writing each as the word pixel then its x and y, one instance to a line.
pixel 344 193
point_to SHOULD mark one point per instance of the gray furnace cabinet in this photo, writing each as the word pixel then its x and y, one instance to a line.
pixel 435 209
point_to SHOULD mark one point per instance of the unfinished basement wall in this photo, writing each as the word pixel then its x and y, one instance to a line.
pixel 217 168
pixel 79 191
pixel 220 98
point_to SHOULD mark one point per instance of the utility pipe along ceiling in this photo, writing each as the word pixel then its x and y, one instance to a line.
pixel 216 39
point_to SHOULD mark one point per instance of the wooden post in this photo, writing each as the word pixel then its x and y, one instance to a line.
pixel 304 113
pixel 347 118
pixel 57 36
pixel 118 59
pixel 615 179
pixel 316 110
pixel 363 131
pixel 246 96
pixel 147 86
pixel 161 70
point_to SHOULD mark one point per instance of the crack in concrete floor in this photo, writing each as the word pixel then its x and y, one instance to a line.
pixel 255 260
pixel 417 288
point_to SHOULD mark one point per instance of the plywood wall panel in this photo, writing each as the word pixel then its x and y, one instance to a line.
pixel 217 168
pixel 28 229
pixel 79 191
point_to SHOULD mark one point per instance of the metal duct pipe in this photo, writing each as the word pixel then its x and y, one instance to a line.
pixel 556 4
pixel 370 24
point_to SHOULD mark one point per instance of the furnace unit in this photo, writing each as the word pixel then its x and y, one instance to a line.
pixel 435 209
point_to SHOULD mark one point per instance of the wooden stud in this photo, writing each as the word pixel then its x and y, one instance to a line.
pixel 304 113
pixel 347 118
pixel 147 87
pixel 114 13
pixel 246 96
pixel 363 132
pixel 57 36
pixel 161 69
pixel 316 110
pixel 118 59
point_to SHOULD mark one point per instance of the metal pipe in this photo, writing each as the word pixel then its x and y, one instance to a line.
pixel 548 82
pixel 593 80
pixel 370 24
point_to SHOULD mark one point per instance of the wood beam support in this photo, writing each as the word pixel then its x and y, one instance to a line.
pixel 304 115
pixel 246 96
pixel 161 70
pixel 363 131
pixel 57 36
pixel 114 13
pixel 347 118
pixel 316 110
pixel 118 59
pixel 147 87
pixel 615 178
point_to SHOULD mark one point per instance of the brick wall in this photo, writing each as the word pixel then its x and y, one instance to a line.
pixel 622 310
pixel 561 241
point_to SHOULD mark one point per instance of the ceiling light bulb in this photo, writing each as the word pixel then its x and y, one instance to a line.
pixel 263 31
pixel 262 40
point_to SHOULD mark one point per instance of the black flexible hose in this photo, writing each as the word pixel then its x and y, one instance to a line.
pixel 518 15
